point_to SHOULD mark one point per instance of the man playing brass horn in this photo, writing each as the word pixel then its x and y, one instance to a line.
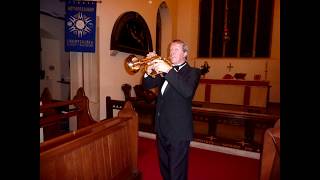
pixel 173 118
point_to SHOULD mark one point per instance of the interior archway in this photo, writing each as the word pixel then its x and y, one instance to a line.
pixel 163 29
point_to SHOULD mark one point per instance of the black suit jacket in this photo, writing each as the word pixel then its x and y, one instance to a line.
pixel 173 118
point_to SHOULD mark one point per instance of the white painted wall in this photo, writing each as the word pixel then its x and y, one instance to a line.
pixel 187 23
pixel 111 68
pixel 184 19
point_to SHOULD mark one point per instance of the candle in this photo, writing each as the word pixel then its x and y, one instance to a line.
pixel 266 70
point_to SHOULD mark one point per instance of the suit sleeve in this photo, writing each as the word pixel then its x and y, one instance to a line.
pixel 185 85
pixel 149 82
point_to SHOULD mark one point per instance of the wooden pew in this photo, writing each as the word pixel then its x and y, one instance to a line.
pixel 105 150
pixel 56 114
pixel 215 125
pixel 270 159
pixel 57 128
pixel 232 128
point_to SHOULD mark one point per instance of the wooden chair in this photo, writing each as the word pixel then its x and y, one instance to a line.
pixel 126 88
pixel 144 94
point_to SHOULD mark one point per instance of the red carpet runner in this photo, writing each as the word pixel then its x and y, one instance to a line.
pixel 203 164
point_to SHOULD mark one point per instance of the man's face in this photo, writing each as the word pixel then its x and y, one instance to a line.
pixel 176 53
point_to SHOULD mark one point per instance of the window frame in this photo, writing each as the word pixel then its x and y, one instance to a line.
pixel 261 36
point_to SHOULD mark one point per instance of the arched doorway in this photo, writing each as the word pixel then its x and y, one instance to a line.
pixel 54 66
pixel 163 30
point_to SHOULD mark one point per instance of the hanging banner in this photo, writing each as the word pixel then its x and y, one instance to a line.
pixel 80 26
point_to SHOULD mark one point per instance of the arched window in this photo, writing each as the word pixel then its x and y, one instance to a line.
pixel 235 28
pixel 131 34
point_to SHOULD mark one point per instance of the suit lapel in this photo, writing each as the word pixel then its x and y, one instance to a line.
pixel 181 71
pixel 166 89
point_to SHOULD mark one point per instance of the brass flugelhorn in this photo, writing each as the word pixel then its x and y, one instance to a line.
pixel 134 64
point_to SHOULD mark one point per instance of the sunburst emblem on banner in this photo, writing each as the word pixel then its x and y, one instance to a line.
pixel 79 24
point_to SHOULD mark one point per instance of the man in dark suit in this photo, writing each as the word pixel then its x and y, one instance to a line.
pixel 173 118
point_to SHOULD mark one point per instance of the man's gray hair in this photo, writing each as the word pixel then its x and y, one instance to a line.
pixel 184 45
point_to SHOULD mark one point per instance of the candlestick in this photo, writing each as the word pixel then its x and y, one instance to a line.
pixel 266 70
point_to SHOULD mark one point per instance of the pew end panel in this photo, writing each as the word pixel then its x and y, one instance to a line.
pixel 270 159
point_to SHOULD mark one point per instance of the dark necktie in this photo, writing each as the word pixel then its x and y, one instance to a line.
pixel 177 67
